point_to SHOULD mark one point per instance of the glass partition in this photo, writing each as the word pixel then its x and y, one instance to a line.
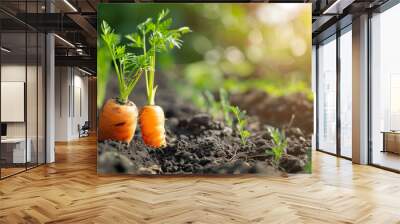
pixel 346 93
pixel 327 95
pixel 14 151
pixel 32 87
pixel 41 109
pixel 22 101
pixel 32 98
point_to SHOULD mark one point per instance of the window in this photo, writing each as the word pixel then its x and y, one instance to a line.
pixel 385 89
pixel 327 96
pixel 346 93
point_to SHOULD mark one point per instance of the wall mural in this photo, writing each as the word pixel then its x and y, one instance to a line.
pixel 204 88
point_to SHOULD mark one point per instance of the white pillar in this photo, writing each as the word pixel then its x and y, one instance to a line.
pixel 360 90
pixel 50 100
pixel 50 92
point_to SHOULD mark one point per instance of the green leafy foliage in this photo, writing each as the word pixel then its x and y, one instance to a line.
pixel 241 122
pixel 264 62
pixel 225 106
pixel 308 166
pixel 219 109
pixel 280 144
pixel 222 109
pixel 103 69
pixel 108 35
pixel 213 106
pixel 156 36
pixel 128 66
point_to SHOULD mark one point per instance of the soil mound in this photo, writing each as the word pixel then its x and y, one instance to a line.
pixel 295 108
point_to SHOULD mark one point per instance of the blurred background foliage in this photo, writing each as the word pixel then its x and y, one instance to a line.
pixel 238 47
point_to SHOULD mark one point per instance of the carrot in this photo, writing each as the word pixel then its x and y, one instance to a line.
pixel 160 38
pixel 118 117
pixel 152 126
pixel 117 121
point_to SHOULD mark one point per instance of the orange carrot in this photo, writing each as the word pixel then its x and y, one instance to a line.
pixel 152 121
pixel 118 118
pixel 161 38
pixel 117 121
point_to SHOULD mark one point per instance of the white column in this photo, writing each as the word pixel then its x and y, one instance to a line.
pixel 50 92
pixel 50 100
pixel 360 90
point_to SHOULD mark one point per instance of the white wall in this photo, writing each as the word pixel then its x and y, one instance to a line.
pixel 12 73
pixel 61 103
pixel 33 126
pixel 71 87
pixel 80 94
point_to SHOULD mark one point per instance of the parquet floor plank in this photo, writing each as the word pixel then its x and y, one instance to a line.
pixel 70 191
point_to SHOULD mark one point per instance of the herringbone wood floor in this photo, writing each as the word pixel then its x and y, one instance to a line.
pixel 70 191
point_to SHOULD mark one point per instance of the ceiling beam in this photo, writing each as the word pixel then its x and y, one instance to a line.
pixel 84 24
pixel 48 22
pixel 337 7
pixel 78 61
pixel 320 22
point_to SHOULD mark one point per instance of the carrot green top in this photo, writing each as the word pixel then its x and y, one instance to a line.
pixel 128 66
pixel 155 36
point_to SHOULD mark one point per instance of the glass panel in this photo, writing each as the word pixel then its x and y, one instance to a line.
pixel 385 89
pixel 32 89
pixel 327 96
pixel 23 90
pixel 41 99
pixel 314 88
pixel 31 98
pixel 13 86
pixel 346 94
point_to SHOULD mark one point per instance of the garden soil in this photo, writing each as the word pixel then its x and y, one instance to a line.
pixel 199 144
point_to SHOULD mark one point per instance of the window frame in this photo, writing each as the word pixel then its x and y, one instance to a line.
pixel 381 9
pixel 333 37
